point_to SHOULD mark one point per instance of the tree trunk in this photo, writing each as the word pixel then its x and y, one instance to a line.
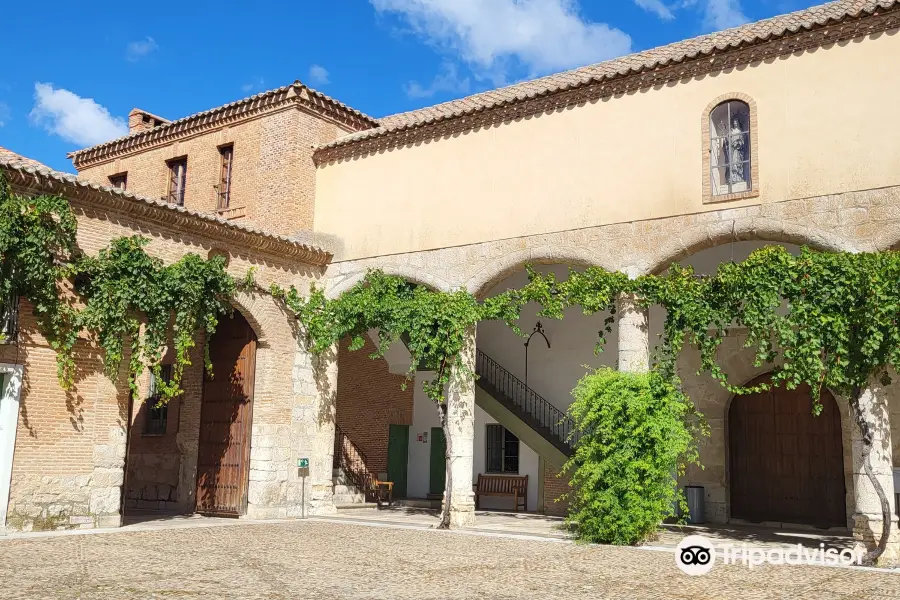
pixel 445 509
pixel 868 438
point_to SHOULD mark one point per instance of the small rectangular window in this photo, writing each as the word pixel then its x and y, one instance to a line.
pixel 119 181
pixel 177 181
pixel 157 416
pixel 223 190
pixel 502 452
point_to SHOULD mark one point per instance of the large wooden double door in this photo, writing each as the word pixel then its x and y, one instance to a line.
pixel 223 459
pixel 787 465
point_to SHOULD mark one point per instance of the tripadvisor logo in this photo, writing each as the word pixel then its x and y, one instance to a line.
pixel 696 555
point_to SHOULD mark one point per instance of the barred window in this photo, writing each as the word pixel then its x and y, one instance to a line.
pixel 157 414
pixel 502 450
pixel 729 148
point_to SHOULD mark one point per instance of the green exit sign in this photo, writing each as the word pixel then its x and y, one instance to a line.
pixel 303 463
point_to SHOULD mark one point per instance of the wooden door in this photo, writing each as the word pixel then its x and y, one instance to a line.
pixel 223 459
pixel 786 464
pixel 398 458
pixel 438 470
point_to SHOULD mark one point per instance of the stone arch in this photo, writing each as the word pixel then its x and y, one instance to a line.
pixel 887 237
pixel 843 407
pixel 342 283
pixel 258 311
pixel 704 236
pixel 497 270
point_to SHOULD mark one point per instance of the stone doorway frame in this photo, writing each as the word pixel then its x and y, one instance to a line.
pixel 9 422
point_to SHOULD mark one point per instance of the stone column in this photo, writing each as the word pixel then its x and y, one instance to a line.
pixel 634 336
pixel 312 425
pixel 867 517
pixel 461 426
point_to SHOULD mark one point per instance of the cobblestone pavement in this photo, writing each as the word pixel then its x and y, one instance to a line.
pixel 323 560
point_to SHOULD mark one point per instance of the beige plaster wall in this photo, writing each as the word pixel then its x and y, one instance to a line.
pixel 822 129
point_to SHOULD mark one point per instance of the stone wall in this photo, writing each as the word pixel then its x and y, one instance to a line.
pixel 864 220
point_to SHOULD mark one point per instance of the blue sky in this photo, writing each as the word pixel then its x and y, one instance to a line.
pixel 74 70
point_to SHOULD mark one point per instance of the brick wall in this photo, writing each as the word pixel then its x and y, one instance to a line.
pixel 154 462
pixel 369 399
pixel 273 175
pixel 554 487
pixel 70 452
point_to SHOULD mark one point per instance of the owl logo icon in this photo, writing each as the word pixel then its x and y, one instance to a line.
pixel 695 555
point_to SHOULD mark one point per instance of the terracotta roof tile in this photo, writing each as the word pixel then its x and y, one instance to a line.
pixel 318 249
pixel 208 115
pixel 10 157
pixel 759 31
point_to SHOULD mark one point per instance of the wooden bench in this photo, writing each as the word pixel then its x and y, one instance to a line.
pixel 502 485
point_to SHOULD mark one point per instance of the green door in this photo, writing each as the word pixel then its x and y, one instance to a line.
pixel 438 462
pixel 398 458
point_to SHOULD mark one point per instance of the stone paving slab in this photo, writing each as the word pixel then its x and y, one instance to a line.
pixel 329 560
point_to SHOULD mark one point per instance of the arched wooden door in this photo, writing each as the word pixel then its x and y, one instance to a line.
pixel 223 459
pixel 786 464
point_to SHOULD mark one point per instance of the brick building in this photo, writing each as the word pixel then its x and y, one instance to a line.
pixel 696 152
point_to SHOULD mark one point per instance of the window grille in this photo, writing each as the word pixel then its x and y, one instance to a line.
pixel 729 148
pixel 502 452
pixel 157 414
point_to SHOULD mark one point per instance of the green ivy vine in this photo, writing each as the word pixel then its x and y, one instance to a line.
pixel 130 302
pixel 131 297
pixel 827 320
pixel 37 243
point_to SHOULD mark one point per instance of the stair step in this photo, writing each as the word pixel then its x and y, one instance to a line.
pixel 419 503
pixel 349 498
pixel 340 488
pixel 354 507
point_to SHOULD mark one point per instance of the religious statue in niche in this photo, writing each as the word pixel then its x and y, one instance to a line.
pixel 738 151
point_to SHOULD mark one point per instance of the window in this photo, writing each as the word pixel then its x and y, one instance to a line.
pixel 502 450
pixel 730 148
pixel 119 181
pixel 223 190
pixel 177 181
pixel 157 416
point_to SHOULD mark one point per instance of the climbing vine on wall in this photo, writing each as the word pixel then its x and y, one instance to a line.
pixel 821 319
pixel 136 299
pixel 827 320
pixel 130 302
pixel 37 243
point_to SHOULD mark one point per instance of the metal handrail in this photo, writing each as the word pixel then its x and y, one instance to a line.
pixel 352 460
pixel 526 399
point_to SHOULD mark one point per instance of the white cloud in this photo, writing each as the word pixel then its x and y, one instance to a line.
pixel 253 85
pixel 4 113
pixel 318 75
pixel 135 51
pixel 73 118
pixel 656 7
pixel 448 80
pixel 542 35
pixel 722 14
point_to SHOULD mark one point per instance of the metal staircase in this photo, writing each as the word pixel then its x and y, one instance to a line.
pixel 524 403
pixel 353 482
